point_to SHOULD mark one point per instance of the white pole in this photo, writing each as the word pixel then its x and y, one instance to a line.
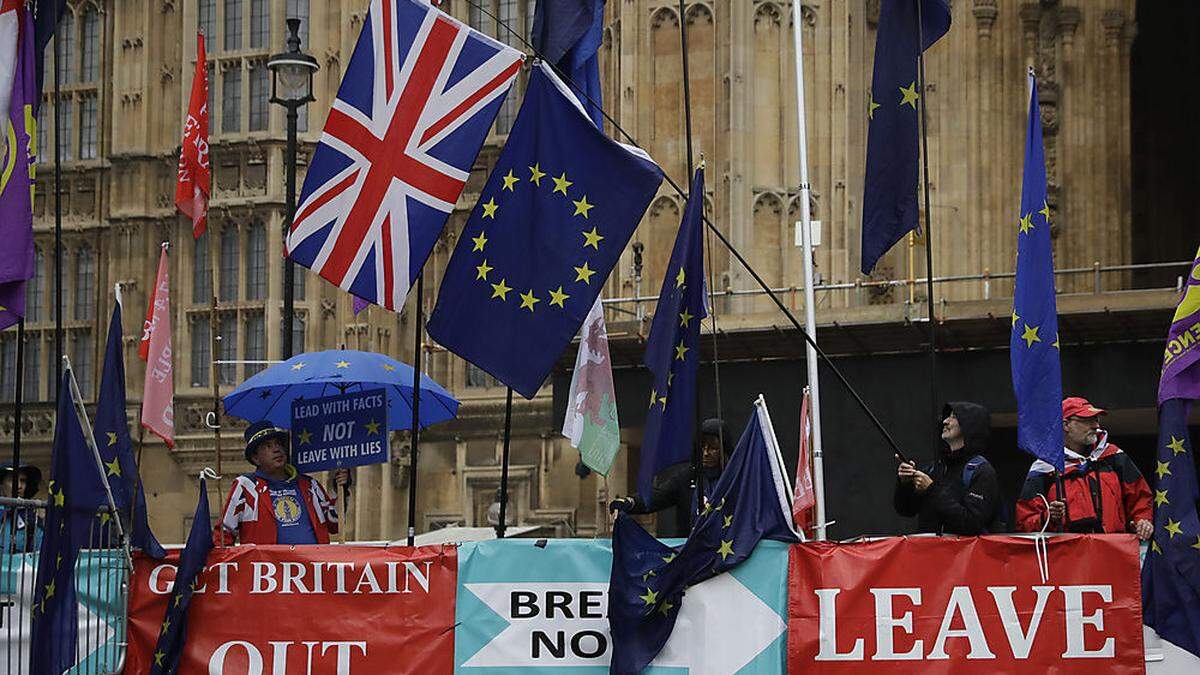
pixel 810 317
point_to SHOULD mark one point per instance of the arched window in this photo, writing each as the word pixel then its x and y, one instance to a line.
pixel 35 293
pixel 66 51
pixel 201 272
pixel 229 264
pixel 85 284
pixel 256 262
pixel 207 12
pixel 89 45
pixel 233 25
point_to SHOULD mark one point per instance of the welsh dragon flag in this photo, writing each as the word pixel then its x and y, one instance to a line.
pixel 591 419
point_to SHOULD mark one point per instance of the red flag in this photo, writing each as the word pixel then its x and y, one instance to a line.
pixel 804 500
pixel 147 324
pixel 194 174
pixel 158 406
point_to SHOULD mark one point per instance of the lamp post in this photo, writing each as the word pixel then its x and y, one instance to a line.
pixel 291 87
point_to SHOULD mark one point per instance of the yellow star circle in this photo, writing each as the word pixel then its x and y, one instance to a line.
pixel 528 300
pixel 500 290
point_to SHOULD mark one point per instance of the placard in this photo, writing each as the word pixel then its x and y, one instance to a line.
pixel 340 431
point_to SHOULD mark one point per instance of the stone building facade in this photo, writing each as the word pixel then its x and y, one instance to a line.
pixel 127 68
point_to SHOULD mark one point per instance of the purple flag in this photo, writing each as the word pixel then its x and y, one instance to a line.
pixel 360 304
pixel 17 122
pixel 1180 376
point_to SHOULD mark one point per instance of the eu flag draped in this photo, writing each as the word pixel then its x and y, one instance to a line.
pixel 751 502
pixel 1171 572
pixel 890 206
pixel 673 348
pixel 550 224
pixel 568 33
pixel 1033 345
pixel 173 636
pixel 116 446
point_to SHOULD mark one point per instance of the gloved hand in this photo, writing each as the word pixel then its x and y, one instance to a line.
pixel 620 504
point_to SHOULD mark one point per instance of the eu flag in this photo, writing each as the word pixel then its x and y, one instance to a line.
pixel 173 636
pixel 116 446
pixel 1171 571
pixel 751 502
pixel 550 224
pixel 673 348
pixel 568 33
pixel 72 498
pixel 890 206
pixel 1033 345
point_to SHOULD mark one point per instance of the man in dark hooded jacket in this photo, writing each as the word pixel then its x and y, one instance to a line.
pixel 958 493
pixel 673 485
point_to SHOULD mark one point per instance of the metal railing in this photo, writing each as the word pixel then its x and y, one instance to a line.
pixel 101 586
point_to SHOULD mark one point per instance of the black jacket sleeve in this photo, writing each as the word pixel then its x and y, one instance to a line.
pixel 905 500
pixel 971 513
pixel 665 493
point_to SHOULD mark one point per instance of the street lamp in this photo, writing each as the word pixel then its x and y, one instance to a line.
pixel 291 87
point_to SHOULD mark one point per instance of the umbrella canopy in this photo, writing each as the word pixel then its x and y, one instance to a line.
pixel 269 394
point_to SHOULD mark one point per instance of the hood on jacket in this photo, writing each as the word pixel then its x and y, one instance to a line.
pixel 716 427
pixel 975 422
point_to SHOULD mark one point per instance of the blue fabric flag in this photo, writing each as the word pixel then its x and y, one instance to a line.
pixel 116 447
pixel 673 348
pixel 1033 345
pixel 568 33
pixel 1171 571
pixel 551 222
pixel 173 636
pixel 72 498
pixel 890 208
pixel 751 502
pixel 47 14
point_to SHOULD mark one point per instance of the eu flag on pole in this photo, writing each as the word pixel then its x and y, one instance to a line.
pixel 751 502
pixel 1033 345
pixel 890 207
pixel 173 636
pixel 116 446
pixel 673 348
pixel 551 222
pixel 1171 572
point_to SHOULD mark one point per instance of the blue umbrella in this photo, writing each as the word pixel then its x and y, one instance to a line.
pixel 269 394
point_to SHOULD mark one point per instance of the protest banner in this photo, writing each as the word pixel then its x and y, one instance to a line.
pixel 966 605
pixel 340 431
pixel 283 610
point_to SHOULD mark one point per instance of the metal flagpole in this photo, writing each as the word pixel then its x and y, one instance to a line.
pixel 215 422
pixel 58 297
pixel 501 525
pixel 810 318
pixel 415 450
pixel 18 415
pixel 933 401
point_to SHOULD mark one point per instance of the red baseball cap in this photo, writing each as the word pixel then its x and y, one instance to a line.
pixel 1078 406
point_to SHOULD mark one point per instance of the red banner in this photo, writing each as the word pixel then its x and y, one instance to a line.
pixel 970 605
pixel 276 610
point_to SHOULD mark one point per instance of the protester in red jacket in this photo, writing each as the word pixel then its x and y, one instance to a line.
pixel 276 504
pixel 1105 492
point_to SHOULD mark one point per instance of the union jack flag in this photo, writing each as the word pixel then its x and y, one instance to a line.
pixel 414 107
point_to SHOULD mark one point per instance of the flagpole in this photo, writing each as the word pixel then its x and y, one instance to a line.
pixel 58 298
pixel 501 525
pixel 810 317
pixel 929 301
pixel 18 414
pixel 414 450
pixel 215 425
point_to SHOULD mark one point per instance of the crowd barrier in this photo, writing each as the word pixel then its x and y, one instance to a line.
pixel 893 605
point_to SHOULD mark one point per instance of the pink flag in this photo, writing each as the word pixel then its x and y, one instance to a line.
pixel 805 498
pixel 158 406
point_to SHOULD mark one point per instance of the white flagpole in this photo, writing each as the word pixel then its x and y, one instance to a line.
pixel 810 317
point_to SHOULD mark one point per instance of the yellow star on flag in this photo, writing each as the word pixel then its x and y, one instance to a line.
pixel 1015 316
pixel 536 174
pixel 653 397
pixel 342 364
pixel 582 207
pixel 909 95
pixel 1197 544
pixel 680 350
pixel 510 180
pixel 561 184
pixel 113 468
pixel 871 106
pixel 528 300
pixel 669 558
pixel 685 317
pixel 592 239
pixel 105 516
pixel 1026 223
pixel 1163 469
pixel 663 401
pixel 166 625
pixel 1154 547
pixel 1055 343
pixel 372 427
pixel 178 599
pixel 728 521
pixel 158 657
pixel 1045 210
pixel 666 607
pixel 650 597
pixel 584 274
pixel 1030 335
pixel 679 278
pixel 649 574
pixel 726 549
pixel 480 241
pixel 60 499
pixel 50 589
pixel 483 270
pixel 305 437
pixel 112 437
pixel 297 366
pixel 1160 497
pixel 1176 445
pixel 557 297
pixel 389 367
pixel 489 208
pixel 1173 528
pixel 500 290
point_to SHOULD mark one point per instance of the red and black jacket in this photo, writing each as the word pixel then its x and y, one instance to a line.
pixel 1105 492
